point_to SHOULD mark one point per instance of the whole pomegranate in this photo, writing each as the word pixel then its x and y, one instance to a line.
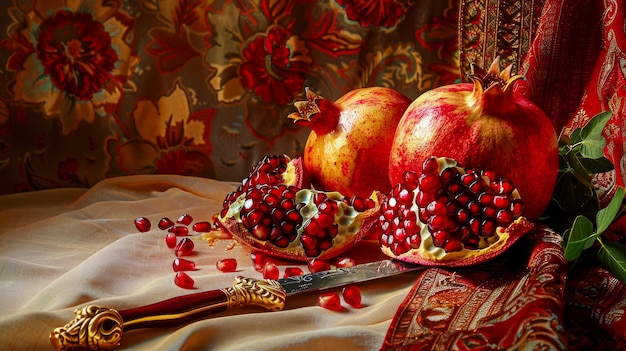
pixel 274 216
pixel 450 216
pixel 484 125
pixel 348 148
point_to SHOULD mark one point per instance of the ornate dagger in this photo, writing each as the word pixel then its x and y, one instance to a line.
pixel 100 328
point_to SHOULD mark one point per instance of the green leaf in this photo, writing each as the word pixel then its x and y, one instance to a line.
pixel 591 140
pixel 613 257
pixel 579 235
pixel 598 165
pixel 605 216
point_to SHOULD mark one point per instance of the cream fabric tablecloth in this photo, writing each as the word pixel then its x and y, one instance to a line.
pixel 67 248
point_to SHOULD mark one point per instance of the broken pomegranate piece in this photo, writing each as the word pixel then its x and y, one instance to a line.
pixel 450 216
pixel 345 262
pixel 142 224
pixel 184 247
pixel 271 271
pixel 202 227
pixel 352 295
pixel 179 230
pixel 258 260
pixel 181 264
pixel 292 272
pixel 183 280
pixel 170 240
pixel 318 265
pixel 226 265
pixel 330 301
pixel 165 223
pixel 185 219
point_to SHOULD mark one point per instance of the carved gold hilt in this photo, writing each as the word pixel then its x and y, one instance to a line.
pixel 98 328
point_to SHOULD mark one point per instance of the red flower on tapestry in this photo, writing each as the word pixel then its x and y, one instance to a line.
pixel 76 53
pixel 376 14
pixel 268 69
pixel 184 162
pixel 74 61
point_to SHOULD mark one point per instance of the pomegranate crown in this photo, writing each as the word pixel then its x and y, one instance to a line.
pixel 493 79
pixel 315 105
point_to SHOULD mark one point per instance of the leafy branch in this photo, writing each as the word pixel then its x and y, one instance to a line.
pixel 575 208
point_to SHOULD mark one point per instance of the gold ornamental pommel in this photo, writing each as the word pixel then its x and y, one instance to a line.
pixel 249 291
pixel 93 328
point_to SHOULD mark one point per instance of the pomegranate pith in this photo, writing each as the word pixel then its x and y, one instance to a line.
pixel 450 216
pixel 482 125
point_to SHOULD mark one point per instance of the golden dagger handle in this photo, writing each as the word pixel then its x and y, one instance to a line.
pixel 98 328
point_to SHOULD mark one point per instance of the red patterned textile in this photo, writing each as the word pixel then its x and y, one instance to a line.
pixel 92 89
pixel 576 68
pixel 512 303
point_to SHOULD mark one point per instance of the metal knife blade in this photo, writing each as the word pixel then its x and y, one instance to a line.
pixel 106 325
pixel 343 276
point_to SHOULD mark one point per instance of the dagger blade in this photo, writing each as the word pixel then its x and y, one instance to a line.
pixel 344 276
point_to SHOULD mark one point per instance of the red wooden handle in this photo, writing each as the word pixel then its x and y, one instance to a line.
pixel 175 311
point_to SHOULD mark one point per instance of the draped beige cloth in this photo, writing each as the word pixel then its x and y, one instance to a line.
pixel 67 248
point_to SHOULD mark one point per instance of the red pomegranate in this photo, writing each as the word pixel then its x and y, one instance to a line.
pixel 484 125
pixel 276 216
pixel 348 148
pixel 450 216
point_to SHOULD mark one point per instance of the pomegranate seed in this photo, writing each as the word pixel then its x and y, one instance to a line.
pixel 270 271
pixel 227 265
pixel 345 262
pixel 142 224
pixel 330 301
pixel 317 265
pixel 179 230
pixel 258 260
pixel 183 280
pixel 165 223
pixel 292 272
pixel 185 219
pixel 181 264
pixel 184 247
pixel 352 295
pixel 170 240
pixel 202 227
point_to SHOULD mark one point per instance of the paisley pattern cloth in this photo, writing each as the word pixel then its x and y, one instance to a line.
pixel 92 89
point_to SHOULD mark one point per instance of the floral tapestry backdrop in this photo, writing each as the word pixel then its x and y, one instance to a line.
pixel 101 88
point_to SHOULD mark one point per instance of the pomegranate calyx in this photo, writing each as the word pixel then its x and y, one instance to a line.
pixel 493 80
pixel 316 105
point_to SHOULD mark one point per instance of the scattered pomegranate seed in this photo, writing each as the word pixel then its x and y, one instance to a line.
pixel 352 295
pixel 202 227
pixel 170 240
pixel 179 230
pixel 183 280
pixel 258 260
pixel 184 247
pixel 226 265
pixel 345 262
pixel 165 223
pixel 181 264
pixel 185 219
pixel 330 301
pixel 317 265
pixel 142 224
pixel 271 271
pixel 292 272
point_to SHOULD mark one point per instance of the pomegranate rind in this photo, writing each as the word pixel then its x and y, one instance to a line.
pixel 431 255
pixel 353 226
